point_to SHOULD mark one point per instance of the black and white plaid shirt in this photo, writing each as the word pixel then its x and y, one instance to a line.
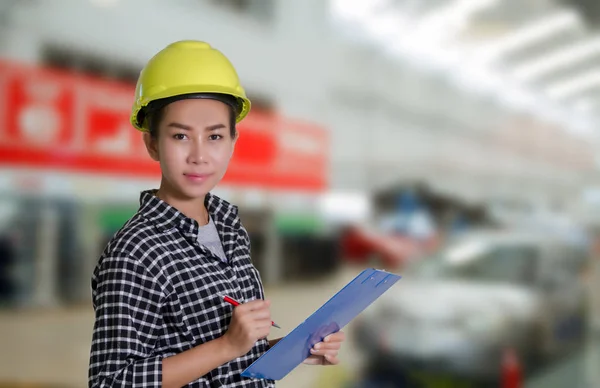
pixel 156 294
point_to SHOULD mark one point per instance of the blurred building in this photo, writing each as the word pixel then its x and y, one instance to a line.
pixel 491 105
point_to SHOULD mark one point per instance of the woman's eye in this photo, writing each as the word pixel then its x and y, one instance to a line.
pixel 215 137
pixel 179 136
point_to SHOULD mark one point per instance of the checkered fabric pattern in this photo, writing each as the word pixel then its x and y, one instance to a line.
pixel 156 293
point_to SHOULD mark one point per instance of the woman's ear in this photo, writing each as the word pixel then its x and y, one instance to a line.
pixel 151 146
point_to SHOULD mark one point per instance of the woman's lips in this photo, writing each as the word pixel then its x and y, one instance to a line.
pixel 198 178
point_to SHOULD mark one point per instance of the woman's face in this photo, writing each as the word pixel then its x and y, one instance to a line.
pixel 193 145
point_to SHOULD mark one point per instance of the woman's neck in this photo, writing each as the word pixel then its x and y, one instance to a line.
pixel 192 208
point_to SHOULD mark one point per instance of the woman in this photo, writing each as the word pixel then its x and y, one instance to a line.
pixel 157 289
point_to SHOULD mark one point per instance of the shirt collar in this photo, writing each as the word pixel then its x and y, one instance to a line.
pixel 166 217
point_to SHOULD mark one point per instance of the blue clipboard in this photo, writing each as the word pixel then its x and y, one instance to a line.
pixel 336 313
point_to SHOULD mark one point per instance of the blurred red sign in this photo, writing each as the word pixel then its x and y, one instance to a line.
pixel 58 120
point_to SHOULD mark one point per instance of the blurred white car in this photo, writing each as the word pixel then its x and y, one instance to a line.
pixel 459 310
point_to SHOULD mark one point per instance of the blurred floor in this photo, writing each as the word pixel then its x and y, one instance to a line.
pixel 52 347
pixel 579 371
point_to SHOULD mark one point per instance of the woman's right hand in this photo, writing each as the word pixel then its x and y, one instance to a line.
pixel 249 322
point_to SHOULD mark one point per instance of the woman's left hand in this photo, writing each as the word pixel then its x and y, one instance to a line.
pixel 326 352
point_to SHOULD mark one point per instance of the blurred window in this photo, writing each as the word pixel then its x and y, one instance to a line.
pixel 568 263
pixel 75 60
pixel 514 264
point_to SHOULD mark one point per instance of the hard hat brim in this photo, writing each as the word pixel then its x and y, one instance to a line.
pixel 219 93
pixel 235 103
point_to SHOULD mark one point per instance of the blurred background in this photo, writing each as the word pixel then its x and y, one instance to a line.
pixel 454 142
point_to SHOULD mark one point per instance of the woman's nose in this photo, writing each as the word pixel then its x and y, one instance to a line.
pixel 197 152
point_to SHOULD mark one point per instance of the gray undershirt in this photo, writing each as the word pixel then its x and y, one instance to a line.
pixel 209 237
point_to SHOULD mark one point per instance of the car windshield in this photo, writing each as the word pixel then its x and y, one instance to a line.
pixel 479 261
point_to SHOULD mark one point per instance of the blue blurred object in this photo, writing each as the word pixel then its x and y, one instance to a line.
pixel 412 218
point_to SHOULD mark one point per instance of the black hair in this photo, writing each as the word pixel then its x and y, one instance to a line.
pixel 154 118
pixel 151 116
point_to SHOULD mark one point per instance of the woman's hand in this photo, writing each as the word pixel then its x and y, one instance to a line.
pixel 249 322
pixel 326 352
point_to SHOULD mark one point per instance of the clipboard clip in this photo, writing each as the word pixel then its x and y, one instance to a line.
pixel 382 281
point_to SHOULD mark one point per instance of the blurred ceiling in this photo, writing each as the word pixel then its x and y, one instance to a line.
pixel 541 54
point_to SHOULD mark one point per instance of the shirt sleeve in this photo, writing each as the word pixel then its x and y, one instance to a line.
pixel 127 302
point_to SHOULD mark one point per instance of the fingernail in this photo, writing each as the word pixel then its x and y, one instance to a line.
pixel 317 346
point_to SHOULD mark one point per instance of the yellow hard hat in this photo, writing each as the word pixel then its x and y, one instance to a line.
pixel 187 68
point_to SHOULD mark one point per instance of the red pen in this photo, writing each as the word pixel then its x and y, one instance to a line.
pixel 234 303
